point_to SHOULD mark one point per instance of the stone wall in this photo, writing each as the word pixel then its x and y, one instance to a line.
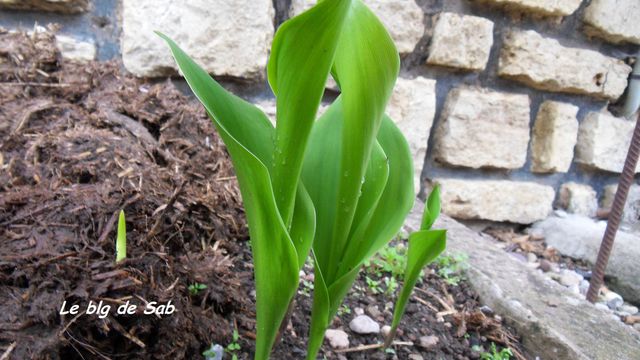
pixel 504 102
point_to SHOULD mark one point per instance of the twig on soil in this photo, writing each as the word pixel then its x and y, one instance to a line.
pixel 66 327
pixel 155 228
pixel 52 85
pixel 116 325
pixel 7 352
pixel 373 346
pixel 444 304
pixel 425 303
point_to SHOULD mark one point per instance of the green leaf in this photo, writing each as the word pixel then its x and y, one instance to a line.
pixel 424 247
pixel 247 134
pixel 121 239
pixel 300 62
pixel 432 209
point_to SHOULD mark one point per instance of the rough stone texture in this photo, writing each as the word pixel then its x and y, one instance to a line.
pixel 228 38
pixel 546 313
pixel 461 41
pixel 61 6
pixel 403 19
pixel 413 106
pixel 554 136
pixel 363 324
pixel 580 237
pixel 518 202
pixel 603 142
pixel 631 214
pixel 578 199
pixel 338 339
pixel 74 49
pixel 615 21
pixel 483 128
pixel 544 64
pixel 540 7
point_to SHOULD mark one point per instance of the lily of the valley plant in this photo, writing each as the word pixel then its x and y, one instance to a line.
pixel 336 188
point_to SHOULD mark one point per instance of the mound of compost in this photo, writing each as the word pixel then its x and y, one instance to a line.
pixel 79 143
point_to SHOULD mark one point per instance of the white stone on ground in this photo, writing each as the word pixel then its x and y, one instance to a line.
pixel 363 324
pixel 429 342
pixel 570 278
pixel 338 339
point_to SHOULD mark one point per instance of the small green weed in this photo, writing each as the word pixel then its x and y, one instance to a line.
pixel 450 267
pixel 391 259
pixel 195 288
pixel 234 347
pixel 504 354
pixel 344 310
pixel 374 285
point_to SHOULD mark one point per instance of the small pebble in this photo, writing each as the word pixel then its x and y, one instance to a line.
pixel 613 300
pixel 385 330
pixel 630 309
pixel 429 342
pixel 486 310
pixel 545 265
pixel 359 311
pixel 338 339
pixel 374 311
pixel 531 257
pixel 602 307
pixel 569 278
pixel 363 324
pixel 415 357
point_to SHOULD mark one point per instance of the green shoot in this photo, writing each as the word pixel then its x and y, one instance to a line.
pixel 194 289
pixel 234 346
pixel 450 267
pixel 121 238
pixel 504 354
pixel 424 247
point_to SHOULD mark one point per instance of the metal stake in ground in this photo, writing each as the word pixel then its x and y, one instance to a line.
pixel 626 179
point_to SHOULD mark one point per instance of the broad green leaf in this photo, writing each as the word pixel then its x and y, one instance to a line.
pixel 366 65
pixel 300 62
pixel 394 205
pixel 320 317
pixel 246 133
pixel 121 239
pixel 424 247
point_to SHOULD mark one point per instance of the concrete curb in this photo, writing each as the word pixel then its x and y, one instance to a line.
pixel 554 323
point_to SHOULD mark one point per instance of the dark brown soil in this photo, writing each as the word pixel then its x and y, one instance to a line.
pixel 79 142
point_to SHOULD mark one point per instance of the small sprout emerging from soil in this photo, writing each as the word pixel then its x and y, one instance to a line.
pixel 121 238
pixel 194 289
pixel 504 354
pixel 234 347
pixel 344 310
pixel 424 246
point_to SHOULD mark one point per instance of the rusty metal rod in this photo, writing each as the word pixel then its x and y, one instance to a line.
pixel 626 179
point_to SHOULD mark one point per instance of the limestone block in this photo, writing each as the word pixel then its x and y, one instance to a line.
pixel 614 21
pixel 228 38
pixel 545 64
pixel 496 200
pixel 60 6
pixel 461 41
pixel 402 18
pixel 578 199
pixel 413 107
pixel 539 7
pixel 74 49
pixel 483 128
pixel 603 142
pixel 554 136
